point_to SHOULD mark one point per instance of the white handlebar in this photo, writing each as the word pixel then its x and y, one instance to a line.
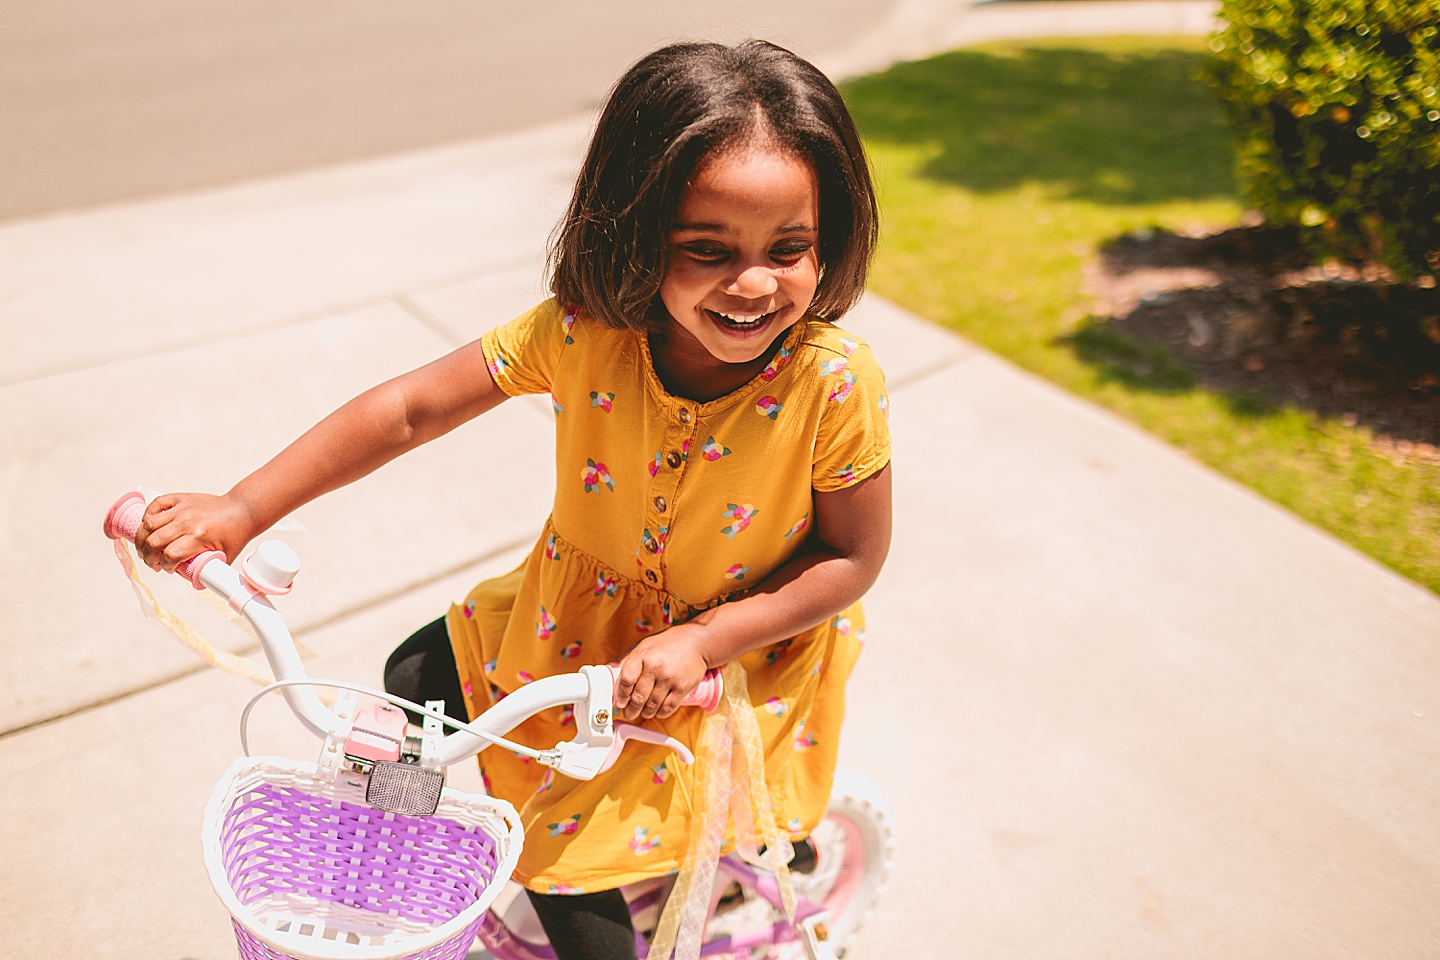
pixel 591 690
pixel 275 640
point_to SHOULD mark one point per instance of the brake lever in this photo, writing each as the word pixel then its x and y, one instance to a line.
pixel 583 761
pixel 629 731
pixel 598 740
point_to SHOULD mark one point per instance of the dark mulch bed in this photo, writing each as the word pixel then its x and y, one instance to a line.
pixel 1245 313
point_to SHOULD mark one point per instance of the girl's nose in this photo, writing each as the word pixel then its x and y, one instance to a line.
pixel 754 280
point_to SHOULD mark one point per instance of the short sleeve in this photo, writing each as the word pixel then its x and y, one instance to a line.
pixel 854 436
pixel 524 354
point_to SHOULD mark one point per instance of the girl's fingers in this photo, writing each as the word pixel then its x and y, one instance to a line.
pixel 664 700
pixel 670 705
pixel 178 551
pixel 157 513
pixel 167 542
pixel 625 683
pixel 639 698
pixel 161 547
pixel 150 541
pixel 149 544
pixel 161 504
pixel 154 552
pixel 655 705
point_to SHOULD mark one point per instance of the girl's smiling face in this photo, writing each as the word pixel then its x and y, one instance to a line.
pixel 743 263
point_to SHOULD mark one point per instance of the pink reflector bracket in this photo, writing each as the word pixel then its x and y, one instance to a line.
pixel 378 732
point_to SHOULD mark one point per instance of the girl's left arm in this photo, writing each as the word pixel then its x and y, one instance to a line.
pixel 840 562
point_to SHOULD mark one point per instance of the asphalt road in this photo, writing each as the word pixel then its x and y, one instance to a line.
pixel 103 101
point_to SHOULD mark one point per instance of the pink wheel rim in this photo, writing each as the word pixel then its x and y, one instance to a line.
pixel 851 868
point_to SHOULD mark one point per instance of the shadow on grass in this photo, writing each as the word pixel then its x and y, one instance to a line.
pixel 1241 314
pixel 1115 128
pixel 1119 359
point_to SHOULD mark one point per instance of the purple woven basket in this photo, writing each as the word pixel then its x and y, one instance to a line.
pixel 309 872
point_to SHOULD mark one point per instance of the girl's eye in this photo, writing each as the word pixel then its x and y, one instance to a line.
pixel 706 252
pixel 790 252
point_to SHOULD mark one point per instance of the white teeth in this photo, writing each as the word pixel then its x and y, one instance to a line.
pixel 741 318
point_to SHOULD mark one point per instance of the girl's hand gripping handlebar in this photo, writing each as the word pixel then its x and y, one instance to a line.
pixel 268 570
pixel 706 695
pixel 599 741
pixel 123 520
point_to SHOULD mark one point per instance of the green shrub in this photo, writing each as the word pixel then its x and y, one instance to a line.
pixel 1335 109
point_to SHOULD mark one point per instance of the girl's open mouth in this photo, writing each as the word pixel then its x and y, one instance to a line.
pixel 741 322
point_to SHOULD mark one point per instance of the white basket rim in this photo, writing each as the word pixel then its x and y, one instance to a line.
pixel 304 948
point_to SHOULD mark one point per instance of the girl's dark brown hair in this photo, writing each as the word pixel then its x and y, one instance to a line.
pixel 670 110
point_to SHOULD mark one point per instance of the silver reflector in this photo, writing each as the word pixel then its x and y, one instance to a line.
pixel 405 788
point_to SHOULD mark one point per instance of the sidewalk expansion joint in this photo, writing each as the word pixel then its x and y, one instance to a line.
pixel 299 632
pixel 926 372
pixel 400 297
pixel 407 303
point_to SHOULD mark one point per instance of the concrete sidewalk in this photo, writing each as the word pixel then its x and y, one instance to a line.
pixel 1122 707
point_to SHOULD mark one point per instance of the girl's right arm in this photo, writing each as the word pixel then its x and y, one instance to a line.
pixel 363 435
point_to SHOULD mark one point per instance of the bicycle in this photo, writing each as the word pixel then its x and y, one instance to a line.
pixel 366 853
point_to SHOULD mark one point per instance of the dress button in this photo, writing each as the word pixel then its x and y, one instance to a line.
pixel 672 460
pixel 651 576
pixel 660 504
pixel 684 415
pixel 652 545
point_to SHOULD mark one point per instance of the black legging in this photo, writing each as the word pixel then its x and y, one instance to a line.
pixel 586 926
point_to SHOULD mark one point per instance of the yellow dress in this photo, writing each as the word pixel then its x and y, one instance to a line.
pixel 665 507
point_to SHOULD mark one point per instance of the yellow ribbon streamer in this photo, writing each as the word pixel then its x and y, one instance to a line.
pixel 731 784
pixel 204 648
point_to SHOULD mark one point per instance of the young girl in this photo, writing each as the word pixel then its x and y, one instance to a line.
pixel 722 483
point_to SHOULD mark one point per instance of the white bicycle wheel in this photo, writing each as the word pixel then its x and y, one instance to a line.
pixel 855 846
pixel 854 849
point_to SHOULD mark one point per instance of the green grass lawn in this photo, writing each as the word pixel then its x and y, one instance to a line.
pixel 1002 168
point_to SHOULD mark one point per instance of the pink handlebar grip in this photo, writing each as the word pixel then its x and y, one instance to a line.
pixel 706 695
pixel 123 520
pixel 707 692
pixel 124 517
